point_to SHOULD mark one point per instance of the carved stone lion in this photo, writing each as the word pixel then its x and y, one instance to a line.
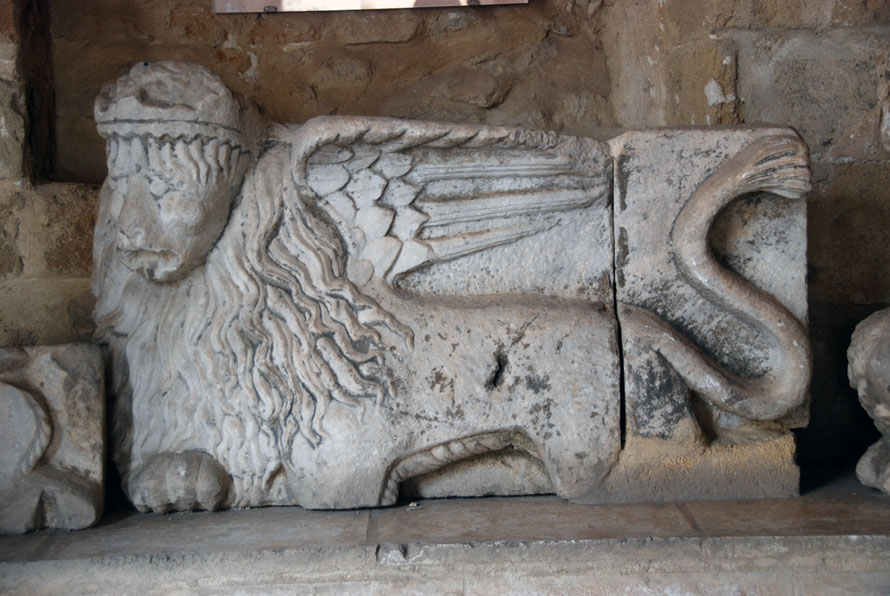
pixel 275 337
pixel 251 370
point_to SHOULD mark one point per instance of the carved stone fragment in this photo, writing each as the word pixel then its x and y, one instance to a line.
pixel 712 295
pixel 317 314
pixel 52 448
pixel 869 372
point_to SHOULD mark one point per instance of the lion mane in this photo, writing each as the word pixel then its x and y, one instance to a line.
pixel 243 357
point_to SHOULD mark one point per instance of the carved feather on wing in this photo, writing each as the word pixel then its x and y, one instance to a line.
pixel 405 195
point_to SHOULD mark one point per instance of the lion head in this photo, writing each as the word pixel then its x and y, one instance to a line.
pixel 179 144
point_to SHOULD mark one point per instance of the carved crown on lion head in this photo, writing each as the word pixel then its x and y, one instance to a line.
pixel 193 176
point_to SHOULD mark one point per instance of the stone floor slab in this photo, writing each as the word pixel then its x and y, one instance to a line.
pixel 849 514
pixel 237 530
pixel 526 518
pixel 834 539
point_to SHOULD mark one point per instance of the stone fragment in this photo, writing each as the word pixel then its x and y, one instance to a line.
pixel 869 372
pixel 712 290
pixel 52 437
pixel 450 21
pixel 480 89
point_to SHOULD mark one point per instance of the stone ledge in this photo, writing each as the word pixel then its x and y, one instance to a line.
pixel 764 565
pixel 832 540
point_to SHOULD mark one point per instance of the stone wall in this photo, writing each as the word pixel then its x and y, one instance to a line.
pixel 577 66
pixel 45 229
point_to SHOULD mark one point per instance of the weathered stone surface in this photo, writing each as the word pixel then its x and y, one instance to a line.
pixel 719 354
pixel 647 470
pixel 448 289
pixel 47 230
pixel 8 26
pixel 690 17
pixel 41 311
pixel 550 75
pixel 733 466
pixel 635 47
pixel 783 75
pixel 13 120
pixel 869 373
pixel 12 130
pixel 9 53
pixel 45 262
pixel 52 424
pixel 666 67
pixel 351 232
pixel 506 472
pixel 835 544
pixel 830 85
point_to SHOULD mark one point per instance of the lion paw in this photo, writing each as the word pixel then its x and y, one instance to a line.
pixel 179 481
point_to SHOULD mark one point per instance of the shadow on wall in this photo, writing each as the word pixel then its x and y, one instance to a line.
pixel 839 428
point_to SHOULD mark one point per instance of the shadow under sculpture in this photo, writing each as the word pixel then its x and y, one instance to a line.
pixel 869 373
pixel 316 314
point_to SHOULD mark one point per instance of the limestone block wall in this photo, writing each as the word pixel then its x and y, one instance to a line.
pixel 45 228
pixel 588 67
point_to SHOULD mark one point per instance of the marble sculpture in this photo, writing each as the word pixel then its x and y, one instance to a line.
pixel 328 313
pixel 869 372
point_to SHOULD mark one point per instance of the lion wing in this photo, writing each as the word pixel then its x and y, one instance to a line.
pixel 405 195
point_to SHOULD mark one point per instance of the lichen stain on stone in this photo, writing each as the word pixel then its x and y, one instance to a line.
pixel 605 285
pixel 538 384
pixel 664 404
pixel 455 412
pixel 441 381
